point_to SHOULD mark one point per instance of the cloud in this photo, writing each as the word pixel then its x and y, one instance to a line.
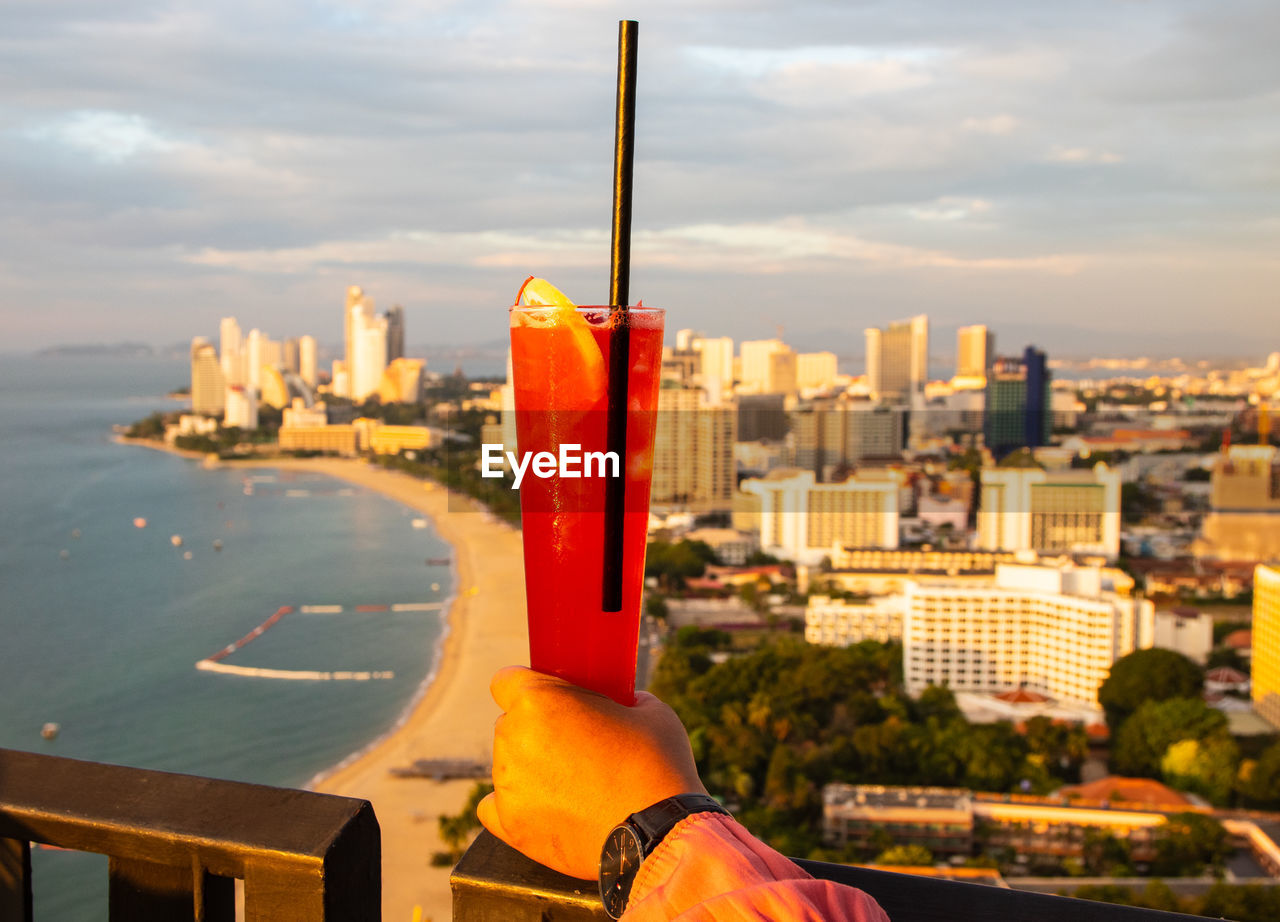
pixel 1082 155
pixel 992 124
pixel 109 137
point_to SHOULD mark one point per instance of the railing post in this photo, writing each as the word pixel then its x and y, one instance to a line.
pixel 15 880
pixel 167 893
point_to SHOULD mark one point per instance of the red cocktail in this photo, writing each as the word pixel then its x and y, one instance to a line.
pixel 560 361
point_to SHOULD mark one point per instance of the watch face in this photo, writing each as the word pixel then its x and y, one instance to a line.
pixel 619 861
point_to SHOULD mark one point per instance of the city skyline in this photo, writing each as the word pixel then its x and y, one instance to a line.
pixel 1099 177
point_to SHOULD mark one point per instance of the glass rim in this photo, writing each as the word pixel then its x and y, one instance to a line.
pixel 588 308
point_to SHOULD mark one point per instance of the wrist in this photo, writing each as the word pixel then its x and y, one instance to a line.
pixel 636 837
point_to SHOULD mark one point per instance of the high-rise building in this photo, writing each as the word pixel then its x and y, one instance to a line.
pixel 831 434
pixel 693 464
pixel 1054 630
pixel 292 362
pixel 231 346
pixel 1018 409
pixel 401 381
pixel 1244 520
pixel 368 358
pixel 242 407
pixel 715 366
pixel 207 382
pixel 804 521
pixel 975 349
pixel 359 307
pixel 307 360
pixel 1266 642
pixel 1064 511
pixel 762 417
pixel 898 360
pixel 816 370
pixel 395 333
pixel 253 360
pixel 768 367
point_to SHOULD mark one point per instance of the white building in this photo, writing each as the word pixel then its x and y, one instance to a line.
pixel 768 367
pixel 368 359
pixel 804 521
pixel 1054 630
pixel 1069 511
pixel 298 415
pixel 716 363
pixel 231 348
pixel 242 407
pixel 253 359
pixel 837 623
pixel 816 370
pixel 307 360
pixel 1185 631
pixel 975 348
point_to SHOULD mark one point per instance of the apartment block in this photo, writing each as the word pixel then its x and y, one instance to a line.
pixel 1067 511
pixel 1266 642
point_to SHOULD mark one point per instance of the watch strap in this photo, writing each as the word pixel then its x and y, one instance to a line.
pixel 653 823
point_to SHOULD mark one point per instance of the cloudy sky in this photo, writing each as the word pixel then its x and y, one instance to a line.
pixel 1091 176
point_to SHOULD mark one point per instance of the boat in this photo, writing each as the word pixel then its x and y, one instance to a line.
pixel 50 730
pixel 419 523
pixel 217 544
pixel 139 522
pixel 438 561
pixel 175 540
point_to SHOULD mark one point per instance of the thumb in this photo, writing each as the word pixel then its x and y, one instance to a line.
pixel 487 813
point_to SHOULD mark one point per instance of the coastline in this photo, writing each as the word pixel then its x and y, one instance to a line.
pixel 451 714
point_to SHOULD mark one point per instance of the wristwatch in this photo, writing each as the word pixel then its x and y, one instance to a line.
pixel 632 840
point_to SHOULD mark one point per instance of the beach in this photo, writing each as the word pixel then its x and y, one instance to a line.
pixel 454 718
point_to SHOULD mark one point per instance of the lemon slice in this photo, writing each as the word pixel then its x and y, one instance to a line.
pixel 570 332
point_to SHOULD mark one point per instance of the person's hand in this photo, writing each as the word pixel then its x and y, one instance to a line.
pixel 570 764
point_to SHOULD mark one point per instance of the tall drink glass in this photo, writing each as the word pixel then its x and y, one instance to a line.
pixel 560 366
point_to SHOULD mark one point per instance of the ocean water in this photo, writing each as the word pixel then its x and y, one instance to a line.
pixel 102 622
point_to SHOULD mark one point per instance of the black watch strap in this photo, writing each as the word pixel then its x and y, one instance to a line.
pixel 653 823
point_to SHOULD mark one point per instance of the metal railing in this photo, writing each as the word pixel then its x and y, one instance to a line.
pixel 495 883
pixel 177 843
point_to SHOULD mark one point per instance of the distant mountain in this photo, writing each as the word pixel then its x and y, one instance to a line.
pixel 79 350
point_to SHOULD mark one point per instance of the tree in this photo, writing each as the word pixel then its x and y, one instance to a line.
pixel 1143 739
pixel 1187 843
pixel 1206 766
pixel 1260 780
pixel 1145 675
pixel 456 830
pixel 911 855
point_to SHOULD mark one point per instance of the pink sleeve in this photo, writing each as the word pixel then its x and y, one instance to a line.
pixel 710 869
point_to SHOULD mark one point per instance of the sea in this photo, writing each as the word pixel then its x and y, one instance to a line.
pixel 122 566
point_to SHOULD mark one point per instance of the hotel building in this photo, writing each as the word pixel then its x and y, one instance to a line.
pixel 802 520
pixel 837 623
pixel 693 464
pixel 1055 630
pixel 1244 523
pixel 898 360
pixel 207 381
pixel 1067 511
pixel 975 348
pixel 1266 642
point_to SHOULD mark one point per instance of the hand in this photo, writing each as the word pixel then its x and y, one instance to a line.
pixel 570 764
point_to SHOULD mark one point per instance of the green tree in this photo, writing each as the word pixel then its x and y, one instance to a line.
pixel 1206 766
pixel 1105 855
pixel 1259 782
pixel 912 855
pixel 1145 675
pixel 1243 903
pixel 457 830
pixel 1143 739
pixel 1188 844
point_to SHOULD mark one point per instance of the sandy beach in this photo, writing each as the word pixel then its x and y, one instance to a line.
pixel 454 718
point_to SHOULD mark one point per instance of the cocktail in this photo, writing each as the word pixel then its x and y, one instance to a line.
pixel 561 362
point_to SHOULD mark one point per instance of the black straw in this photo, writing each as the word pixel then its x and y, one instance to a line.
pixel 620 339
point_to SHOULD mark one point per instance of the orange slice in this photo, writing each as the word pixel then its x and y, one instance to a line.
pixel 572 371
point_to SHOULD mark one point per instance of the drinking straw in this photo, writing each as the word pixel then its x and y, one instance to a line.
pixel 620 340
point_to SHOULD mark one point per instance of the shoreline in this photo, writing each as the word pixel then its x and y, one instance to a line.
pixel 450 714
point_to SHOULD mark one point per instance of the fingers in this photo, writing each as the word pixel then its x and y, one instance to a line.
pixel 487 813
pixel 510 682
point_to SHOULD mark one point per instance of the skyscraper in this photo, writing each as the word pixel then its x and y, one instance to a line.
pixel 231 349
pixel 898 360
pixel 1017 405
pixel 768 367
pixel 291 358
pixel 1266 642
pixel 368 358
pixel 395 333
pixel 307 359
pixel 254 348
pixel 358 308
pixel 975 348
pixel 207 387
